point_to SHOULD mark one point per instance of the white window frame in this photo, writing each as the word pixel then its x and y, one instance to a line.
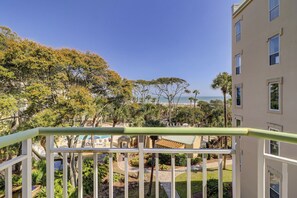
pixel 238 56
pixel 272 9
pixel 269 40
pixel 238 34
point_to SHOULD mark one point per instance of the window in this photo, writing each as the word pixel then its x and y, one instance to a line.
pixel 274 186
pixel 238 63
pixel 274 145
pixel 273 9
pixel 238 96
pixel 274 96
pixel 274 44
pixel 238 123
pixel 238 31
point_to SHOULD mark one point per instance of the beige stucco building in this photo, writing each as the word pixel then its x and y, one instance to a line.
pixel 264 73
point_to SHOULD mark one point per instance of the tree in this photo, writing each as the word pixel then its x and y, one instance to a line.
pixel 195 99
pixel 171 89
pixel 223 81
pixel 141 90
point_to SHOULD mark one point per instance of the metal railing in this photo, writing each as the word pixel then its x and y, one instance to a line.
pixel 26 157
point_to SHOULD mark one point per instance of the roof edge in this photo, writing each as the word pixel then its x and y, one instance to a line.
pixel 238 8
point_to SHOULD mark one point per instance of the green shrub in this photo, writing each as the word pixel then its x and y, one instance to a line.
pixel 212 189
pixel 165 158
pixel 180 159
pixel 106 158
pixel 163 167
pixel 88 173
pixel 16 180
pixel 117 177
pixel 196 160
pixel 134 161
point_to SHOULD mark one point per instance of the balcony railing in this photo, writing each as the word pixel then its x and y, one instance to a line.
pixel 26 157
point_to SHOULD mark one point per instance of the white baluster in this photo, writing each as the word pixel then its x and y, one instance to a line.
pixel 189 194
pixel 110 176
pixel 95 177
pixel 157 175
pixel 65 175
pixel 285 178
pixel 8 182
pixel 236 167
pixel 141 167
pixel 261 168
pixel 80 176
pixel 220 176
pixel 204 177
pixel 126 175
pixel 49 167
pixel 172 176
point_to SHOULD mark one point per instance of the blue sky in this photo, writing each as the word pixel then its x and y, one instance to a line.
pixel 140 39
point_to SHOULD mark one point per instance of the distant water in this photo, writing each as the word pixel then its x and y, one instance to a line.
pixel 185 99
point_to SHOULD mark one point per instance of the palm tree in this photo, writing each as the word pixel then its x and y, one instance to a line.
pixel 191 100
pixel 195 92
pixel 223 81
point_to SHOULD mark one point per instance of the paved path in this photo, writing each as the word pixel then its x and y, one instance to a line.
pixel 165 176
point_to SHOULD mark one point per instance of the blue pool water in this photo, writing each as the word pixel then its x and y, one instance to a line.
pixel 96 137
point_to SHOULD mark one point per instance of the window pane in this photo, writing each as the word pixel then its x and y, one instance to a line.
pixel 274 148
pixel 237 70
pixel 273 4
pixel 274 59
pixel 274 96
pixel 237 27
pixel 238 60
pixel 238 98
pixel 274 186
pixel 238 31
pixel 274 45
pixel 238 123
pixel 274 13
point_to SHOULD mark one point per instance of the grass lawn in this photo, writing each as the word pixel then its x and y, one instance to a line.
pixel 212 173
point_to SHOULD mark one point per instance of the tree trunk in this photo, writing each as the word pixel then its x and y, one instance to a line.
pixel 169 112
pixel 152 169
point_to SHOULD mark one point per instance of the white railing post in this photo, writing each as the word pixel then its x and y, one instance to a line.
pixel 95 177
pixel 65 175
pixel 8 182
pixel 27 169
pixel 80 176
pixel 285 178
pixel 157 175
pixel 261 168
pixel 49 167
pixel 236 169
pixel 110 190
pixel 220 176
pixel 204 177
pixel 189 194
pixel 172 176
pixel 126 175
pixel 110 175
pixel 141 166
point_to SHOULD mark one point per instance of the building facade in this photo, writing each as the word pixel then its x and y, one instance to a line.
pixel 264 75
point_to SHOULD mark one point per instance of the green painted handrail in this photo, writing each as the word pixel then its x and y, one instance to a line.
pixel 257 133
pixel 18 137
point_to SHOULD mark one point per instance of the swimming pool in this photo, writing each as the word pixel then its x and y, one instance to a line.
pixel 95 137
